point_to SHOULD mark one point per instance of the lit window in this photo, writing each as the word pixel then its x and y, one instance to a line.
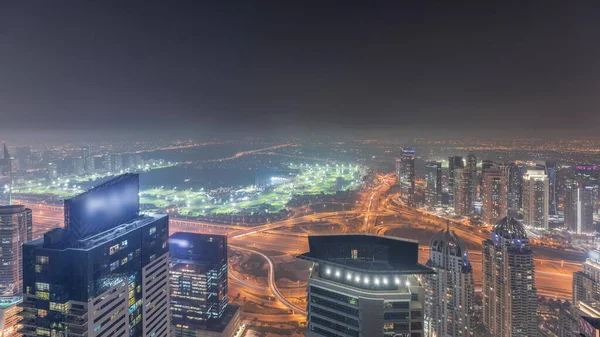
pixel 42 313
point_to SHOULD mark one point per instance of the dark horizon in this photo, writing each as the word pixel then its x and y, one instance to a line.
pixel 283 68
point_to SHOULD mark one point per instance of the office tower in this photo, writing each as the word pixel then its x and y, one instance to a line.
pixel 405 167
pixel 552 197
pixel 15 230
pixel 433 183
pixel 579 207
pixel 535 198
pixel 139 162
pixel 471 166
pixel 514 177
pixel 85 155
pixel 7 170
pixel 455 162
pixel 364 286
pixel 104 274
pixel 586 287
pixel 509 293
pixel 494 195
pixel 90 165
pixel 107 163
pixel 78 166
pixel 463 198
pixel 450 291
pixel 198 285
pixel 116 162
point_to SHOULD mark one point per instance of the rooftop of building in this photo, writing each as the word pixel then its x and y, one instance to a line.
pixel 448 242
pixel 57 238
pixel 366 253
pixel 509 228
pixel 11 209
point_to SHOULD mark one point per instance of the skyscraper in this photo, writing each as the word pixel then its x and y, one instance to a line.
pixel 535 198
pixel 552 197
pixel 579 207
pixel 433 183
pixel 472 169
pixel 586 287
pixel 198 285
pixel 450 291
pixel 494 195
pixel 463 198
pixel 15 230
pixel 515 185
pixel 104 274
pixel 85 155
pixel 455 162
pixel 405 167
pixel 364 286
pixel 509 293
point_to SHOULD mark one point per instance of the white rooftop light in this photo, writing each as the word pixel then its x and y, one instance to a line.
pixel 366 280
pixel 349 276
pixel 337 273
pixel 376 281
pixel 397 281
pixel 385 280
pixel 328 271
pixel 357 278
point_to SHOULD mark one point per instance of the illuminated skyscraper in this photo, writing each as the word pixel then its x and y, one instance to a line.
pixel 535 198
pixel 85 155
pixel 450 291
pixel 509 293
pixel 552 197
pixel 579 207
pixel 15 230
pixel 433 183
pixel 198 285
pixel 104 274
pixel 463 198
pixel 515 187
pixel 455 162
pixel 405 167
pixel 494 195
pixel 364 286
pixel 586 287
pixel 471 167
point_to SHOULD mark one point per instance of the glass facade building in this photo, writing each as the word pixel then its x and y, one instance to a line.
pixel 198 283
pixel 364 285
pixel 108 280
pixel 405 169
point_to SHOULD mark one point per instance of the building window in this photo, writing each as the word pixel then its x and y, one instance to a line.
pixel 42 286
pixel 42 259
pixel 42 313
pixel 354 254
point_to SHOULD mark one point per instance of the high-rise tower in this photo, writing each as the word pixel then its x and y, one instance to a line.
pixel 494 195
pixel 405 167
pixel 463 198
pixel 514 177
pixel 104 274
pixel 15 230
pixel 509 293
pixel 579 207
pixel 455 162
pixel 198 286
pixel 472 176
pixel 450 291
pixel 364 286
pixel 433 183
pixel 535 198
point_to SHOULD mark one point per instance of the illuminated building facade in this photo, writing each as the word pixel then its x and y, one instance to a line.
pixel 450 291
pixel 579 208
pixel 494 195
pixel 15 230
pixel 198 286
pixel 364 286
pixel 514 177
pixel 454 163
pixel 463 196
pixel 405 167
pixel 586 287
pixel 535 198
pixel 509 293
pixel 471 167
pixel 104 274
pixel 433 183
pixel 551 171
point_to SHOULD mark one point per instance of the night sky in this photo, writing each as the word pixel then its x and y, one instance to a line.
pixel 261 65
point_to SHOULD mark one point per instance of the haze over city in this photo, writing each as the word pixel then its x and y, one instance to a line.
pixel 308 168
